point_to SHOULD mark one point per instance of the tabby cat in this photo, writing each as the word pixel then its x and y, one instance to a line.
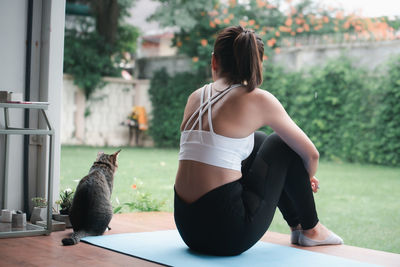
pixel 91 209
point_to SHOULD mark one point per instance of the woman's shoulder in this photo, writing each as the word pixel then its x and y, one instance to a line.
pixel 263 102
pixel 194 98
pixel 196 93
pixel 262 96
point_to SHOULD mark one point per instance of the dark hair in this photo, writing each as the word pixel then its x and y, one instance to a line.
pixel 239 53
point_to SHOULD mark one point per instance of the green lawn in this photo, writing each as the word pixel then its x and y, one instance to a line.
pixel 361 203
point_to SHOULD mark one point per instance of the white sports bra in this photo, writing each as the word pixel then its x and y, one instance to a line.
pixel 209 147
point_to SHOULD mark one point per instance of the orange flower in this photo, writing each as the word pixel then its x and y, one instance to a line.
pixel 284 29
pixel 195 59
pixel 299 21
pixel 306 27
pixel 217 21
pixel 179 44
pixel 265 57
pixel 225 11
pixel 299 30
pixel 325 19
pixel 202 13
pixel 231 16
pixel 339 15
pixel 243 23
pixel 251 22
pixel 260 3
pixel 204 42
pixel 318 27
pixel 289 22
pixel 277 34
pixel 213 13
pixel 257 27
pixel 226 21
pixel 277 50
pixel 293 33
pixel 212 24
pixel 133 186
pixel 271 42
pixel 232 3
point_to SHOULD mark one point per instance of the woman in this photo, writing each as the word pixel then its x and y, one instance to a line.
pixel 230 178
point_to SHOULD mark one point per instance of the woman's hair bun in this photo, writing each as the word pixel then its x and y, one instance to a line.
pixel 239 52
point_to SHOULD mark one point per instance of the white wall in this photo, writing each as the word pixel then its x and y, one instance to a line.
pixel 13 21
pixel 364 54
pixel 97 121
pixel 46 85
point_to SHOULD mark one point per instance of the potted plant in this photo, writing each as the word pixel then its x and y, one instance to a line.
pixel 65 204
pixel 39 212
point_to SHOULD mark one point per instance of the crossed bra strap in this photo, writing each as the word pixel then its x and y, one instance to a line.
pixel 206 105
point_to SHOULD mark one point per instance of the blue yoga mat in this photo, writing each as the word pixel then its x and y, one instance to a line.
pixel 167 247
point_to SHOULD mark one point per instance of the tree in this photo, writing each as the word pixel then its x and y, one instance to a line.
pixel 95 46
pixel 198 21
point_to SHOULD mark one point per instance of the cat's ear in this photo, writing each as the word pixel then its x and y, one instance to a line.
pixel 114 157
pixel 99 154
pixel 116 153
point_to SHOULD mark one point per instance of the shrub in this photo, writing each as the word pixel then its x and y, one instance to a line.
pixel 334 117
pixel 168 96
pixel 350 114
pixel 386 145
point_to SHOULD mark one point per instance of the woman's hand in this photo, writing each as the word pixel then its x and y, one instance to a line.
pixel 314 184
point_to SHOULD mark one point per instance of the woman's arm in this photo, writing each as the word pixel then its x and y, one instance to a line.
pixel 275 116
pixel 193 101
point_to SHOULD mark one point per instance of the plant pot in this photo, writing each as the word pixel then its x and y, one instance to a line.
pixel 19 220
pixel 38 214
pixel 63 218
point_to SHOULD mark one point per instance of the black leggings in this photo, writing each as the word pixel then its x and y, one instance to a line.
pixel 233 217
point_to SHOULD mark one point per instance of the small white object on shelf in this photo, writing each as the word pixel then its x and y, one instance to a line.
pixel 18 220
pixel 6 216
pixel 16 97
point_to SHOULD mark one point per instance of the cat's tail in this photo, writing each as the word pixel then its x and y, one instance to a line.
pixel 75 238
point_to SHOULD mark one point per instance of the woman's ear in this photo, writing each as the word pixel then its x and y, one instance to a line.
pixel 214 63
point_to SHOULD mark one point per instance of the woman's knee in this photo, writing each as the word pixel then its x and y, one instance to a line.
pixel 275 148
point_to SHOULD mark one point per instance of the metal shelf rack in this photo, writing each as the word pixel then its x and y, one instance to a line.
pixel 30 230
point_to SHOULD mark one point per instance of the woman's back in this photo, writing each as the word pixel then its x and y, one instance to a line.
pixel 234 117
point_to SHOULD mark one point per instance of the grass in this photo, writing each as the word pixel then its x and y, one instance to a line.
pixel 361 203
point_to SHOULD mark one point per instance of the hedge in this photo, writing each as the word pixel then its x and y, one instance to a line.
pixel 351 114
pixel 168 96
